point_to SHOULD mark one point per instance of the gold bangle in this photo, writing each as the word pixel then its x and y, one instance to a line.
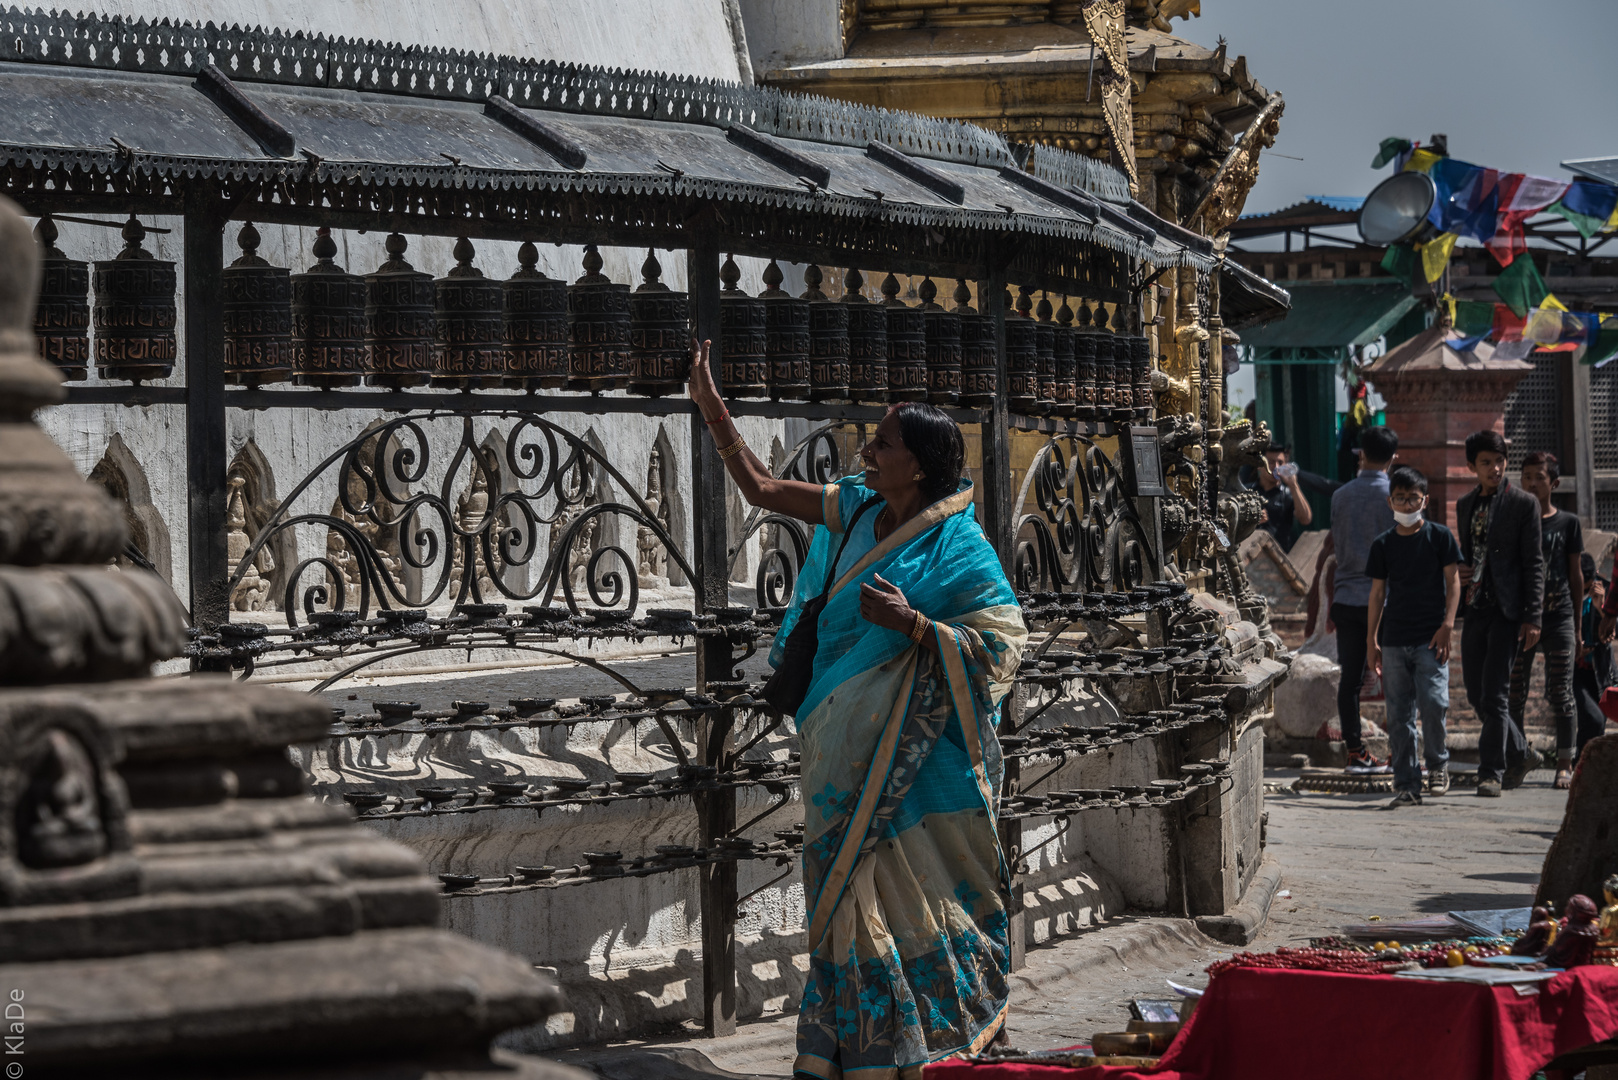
pixel 728 452
pixel 920 628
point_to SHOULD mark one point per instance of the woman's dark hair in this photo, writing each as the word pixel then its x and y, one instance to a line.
pixel 1587 565
pixel 1484 442
pixel 1407 478
pixel 1553 468
pixel 936 442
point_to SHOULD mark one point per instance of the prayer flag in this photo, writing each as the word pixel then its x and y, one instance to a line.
pixel 1467 198
pixel 1508 325
pixel 1389 150
pixel 1435 255
pixel 1474 317
pixel 1543 326
pixel 1587 205
pixel 1422 161
pixel 1400 261
pixel 1520 286
pixel 1521 197
pixel 1606 343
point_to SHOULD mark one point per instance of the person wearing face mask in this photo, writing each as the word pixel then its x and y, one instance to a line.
pixel 1414 569
pixel 901 642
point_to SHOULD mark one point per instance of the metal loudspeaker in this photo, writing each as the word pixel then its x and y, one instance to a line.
pixel 1396 211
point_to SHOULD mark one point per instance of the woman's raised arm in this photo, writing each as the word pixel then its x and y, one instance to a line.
pixel 793 498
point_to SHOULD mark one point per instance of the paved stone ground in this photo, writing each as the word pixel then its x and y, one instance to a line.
pixel 1343 860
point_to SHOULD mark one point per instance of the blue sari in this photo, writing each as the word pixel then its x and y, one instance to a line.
pixel 904 880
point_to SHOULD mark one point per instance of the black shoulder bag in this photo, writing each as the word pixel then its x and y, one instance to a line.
pixel 789 685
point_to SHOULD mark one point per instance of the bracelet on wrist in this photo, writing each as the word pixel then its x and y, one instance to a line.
pixel 919 628
pixel 721 417
pixel 728 452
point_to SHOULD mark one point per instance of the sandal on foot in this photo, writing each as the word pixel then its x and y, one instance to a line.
pixel 1564 779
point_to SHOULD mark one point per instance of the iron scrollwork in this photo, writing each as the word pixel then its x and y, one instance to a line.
pixel 815 460
pixel 1082 533
pixel 399 539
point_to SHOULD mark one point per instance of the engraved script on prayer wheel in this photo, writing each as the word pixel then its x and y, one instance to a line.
pixel 867 343
pixel 598 330
pixel 62 318
pixel 135 312
pixel 786 338
pixel 943 329
pixel 1140 370
pixel 743 371
pixel 979 377
pixel 659 333
pixel 828 341
pixel 1022 364
pixel 1066 391
pixel 398 320
pixel 468 325
pixel 1084 364
pixel 328 321
pixel 1045 355
pixel 907 345
pixel 534 325
pixel 257 316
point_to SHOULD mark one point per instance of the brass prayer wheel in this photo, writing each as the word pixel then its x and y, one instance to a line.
pixel 1066 391
pixel 659 333
pixel 943 330
pixel 1084 364
pixel 979 375
pixel 907 345
pixel 1140 369
pixel 597 330
pixel 398 320
pixel 743 370
pixel 534 325
pixel 1022 362
pixel 828 341
pixel 1045 355
pixel 135 312
pixel 867 343
pixel 469 348
pixel 62 317
pixel 257 316
pixel 328 321
pixel 786 338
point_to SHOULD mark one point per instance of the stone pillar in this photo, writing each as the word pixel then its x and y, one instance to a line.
pixel 1436 397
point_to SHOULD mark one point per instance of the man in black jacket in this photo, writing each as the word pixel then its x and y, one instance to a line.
pixel 1503 571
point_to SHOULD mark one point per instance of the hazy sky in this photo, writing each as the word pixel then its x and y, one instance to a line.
pixel 1519 85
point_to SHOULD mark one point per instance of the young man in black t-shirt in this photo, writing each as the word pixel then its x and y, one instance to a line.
pixel 1415 591
pixel 1562 539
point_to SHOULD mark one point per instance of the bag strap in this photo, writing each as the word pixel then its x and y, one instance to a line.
pixel 831 571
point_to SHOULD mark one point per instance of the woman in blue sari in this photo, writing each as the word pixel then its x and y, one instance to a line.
pixel 905 883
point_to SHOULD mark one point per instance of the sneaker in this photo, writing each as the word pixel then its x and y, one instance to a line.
pixel 1361 763
pixel 1516 771
pixel 1404 798
pixel 1438 782
pixel 1488 789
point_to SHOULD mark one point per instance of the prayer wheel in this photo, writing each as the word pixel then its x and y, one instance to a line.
pixel 743 370
pixel 786 338
pixel 135 312
pixel 1104 372
pixel 1022 362
pixel 597 330
pixel 867 343
pixel 943 330
pixel 1045 355
pixel 469 349
pixel 659 333
pixel 907 345
pixel 1066 392
pixel 398 320
pixel 257 316
pixel 1084 364
pixel 828 341
pixel 328 321
pixel 534 325
pixel 1140 369
pixel 62 317
pixel 979 374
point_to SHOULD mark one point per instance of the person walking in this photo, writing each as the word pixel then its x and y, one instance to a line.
pixel 899 647
pixel 1562 545
pixel 1415 591
pixel 1503 571
pixel 1595 670
pixel 1359 514
pixel 1284 501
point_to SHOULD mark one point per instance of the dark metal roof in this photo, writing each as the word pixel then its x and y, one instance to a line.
pixel 1246 298
pixel 105 96
pixel 1602 169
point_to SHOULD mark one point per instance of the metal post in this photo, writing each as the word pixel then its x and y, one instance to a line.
pixel 716 811
pixel 205 406
pixel 999 518
pixel 1584 455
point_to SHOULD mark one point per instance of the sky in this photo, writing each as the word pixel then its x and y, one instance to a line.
pixel 1517 85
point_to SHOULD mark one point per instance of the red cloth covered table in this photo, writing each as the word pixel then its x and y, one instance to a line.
pixel 1258 1023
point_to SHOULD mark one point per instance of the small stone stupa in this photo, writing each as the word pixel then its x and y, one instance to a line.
pixel 172 901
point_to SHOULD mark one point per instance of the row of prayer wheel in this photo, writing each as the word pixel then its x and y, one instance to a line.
pixel 398 327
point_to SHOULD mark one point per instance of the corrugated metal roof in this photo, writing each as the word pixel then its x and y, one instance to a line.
pixel 1603 169
pixel 1331 314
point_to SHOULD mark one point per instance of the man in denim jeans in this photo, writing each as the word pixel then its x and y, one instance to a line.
pixel 1415 575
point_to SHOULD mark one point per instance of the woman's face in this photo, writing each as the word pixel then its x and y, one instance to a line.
pixel 890 469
